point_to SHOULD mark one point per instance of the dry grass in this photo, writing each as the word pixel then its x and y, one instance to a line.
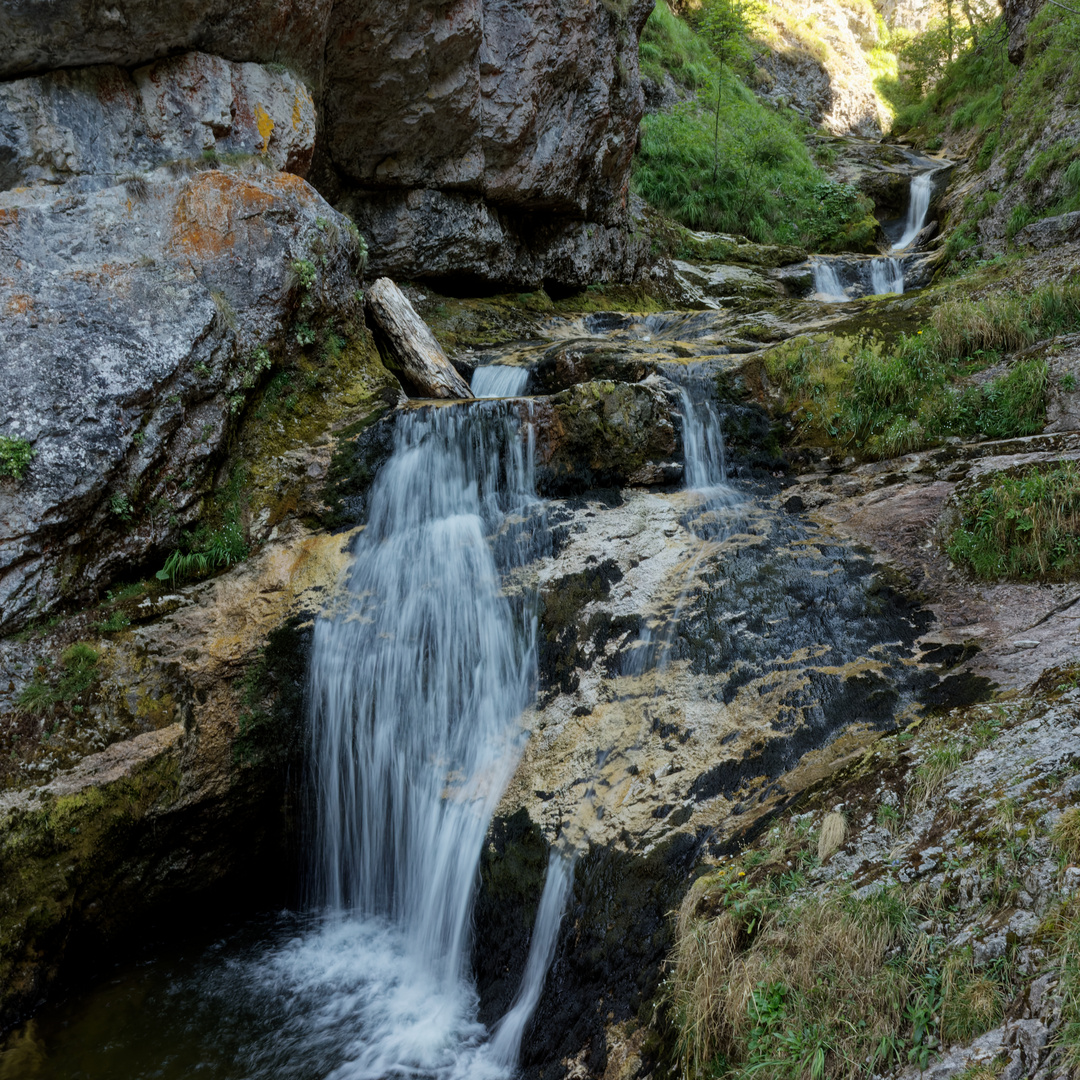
pixel 777 988
pixel 1066 835
pixel 833 832
pixel 930 777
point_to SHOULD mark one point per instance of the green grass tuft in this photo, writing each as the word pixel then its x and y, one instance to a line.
pixel 1025 525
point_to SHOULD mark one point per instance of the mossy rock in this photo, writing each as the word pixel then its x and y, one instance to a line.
pixel 601 434
pixel 736 250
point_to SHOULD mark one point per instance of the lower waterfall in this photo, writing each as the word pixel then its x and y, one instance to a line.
pixel 416 688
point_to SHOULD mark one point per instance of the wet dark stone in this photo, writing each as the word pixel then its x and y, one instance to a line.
pixel 964 688
pixel 512 870
pixel 950 655
pixel 794 505
pixel 608 961
pixel 361 450
pixel 566 645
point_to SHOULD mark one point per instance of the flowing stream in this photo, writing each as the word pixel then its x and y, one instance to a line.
pixel 420 673
pixel 841 278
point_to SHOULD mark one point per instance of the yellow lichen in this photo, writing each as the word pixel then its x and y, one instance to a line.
pixel 265 126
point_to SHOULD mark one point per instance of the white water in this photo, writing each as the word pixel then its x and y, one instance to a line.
pixel 416 693
pixel 499 381
pixel 827 282
pixel 866 277
pixel 886 276
pixel 922 187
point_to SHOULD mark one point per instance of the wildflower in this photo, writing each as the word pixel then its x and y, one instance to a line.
pixel 742 873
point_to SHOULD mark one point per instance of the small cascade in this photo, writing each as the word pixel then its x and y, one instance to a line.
pixel 922 188
pixel 886 276
pixel 499 381
pixel 839 279
pixel 416 692
pixel 705 466
pixel 827 282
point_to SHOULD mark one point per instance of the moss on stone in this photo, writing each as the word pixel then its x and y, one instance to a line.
pixel 270 727
pixel 59 860
pixel 734 250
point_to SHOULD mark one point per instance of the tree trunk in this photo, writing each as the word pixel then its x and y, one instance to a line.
pixel 414 346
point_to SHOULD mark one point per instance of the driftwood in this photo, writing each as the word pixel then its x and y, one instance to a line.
pixel 422 360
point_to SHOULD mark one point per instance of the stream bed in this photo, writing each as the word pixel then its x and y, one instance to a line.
pixel 627 666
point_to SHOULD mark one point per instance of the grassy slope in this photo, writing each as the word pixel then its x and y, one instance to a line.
pixel 1013 124
pixel 762 182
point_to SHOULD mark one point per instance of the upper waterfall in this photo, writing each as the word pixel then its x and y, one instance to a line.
pixel 922 189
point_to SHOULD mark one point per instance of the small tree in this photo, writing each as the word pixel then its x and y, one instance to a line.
pixel 725 24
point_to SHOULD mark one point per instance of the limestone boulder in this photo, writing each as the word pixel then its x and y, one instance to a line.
pixel 135 326
pixel 95 126
pixel 599 434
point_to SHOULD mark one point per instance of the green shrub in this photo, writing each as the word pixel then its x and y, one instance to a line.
pixel 212 547
pixel 884 401
pixel 1025 525
pixel 15 457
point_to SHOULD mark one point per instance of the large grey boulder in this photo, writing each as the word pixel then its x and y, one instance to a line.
pixel 481 119
pixel 36 36
pixel 98 124
pixel 533 105
pixel 133 329
pixel 453 236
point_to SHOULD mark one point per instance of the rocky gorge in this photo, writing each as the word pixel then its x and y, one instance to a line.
pixel 722 624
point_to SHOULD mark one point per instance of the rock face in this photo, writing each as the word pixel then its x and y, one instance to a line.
pixel 907 14
pixel 818 66
pixel 1018 13
pixel 467 124
pixel 103 124
pixel 70 33
pixel 127 410
pixel 197 802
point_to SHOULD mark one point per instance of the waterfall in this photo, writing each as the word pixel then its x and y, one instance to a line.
pixel 886 276
pixel 826 281
pixel 922 187
pixel 416 691
pixel 499 381
pixel 704 464
pixel 864 276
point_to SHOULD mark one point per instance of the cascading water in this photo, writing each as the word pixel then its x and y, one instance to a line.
pixel 416 691
pixel 886 276
pixel 922 188
pixel 827 282
pixel 864 277
pixel 499 381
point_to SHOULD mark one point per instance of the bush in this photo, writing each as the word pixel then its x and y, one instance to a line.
pixel 760 182
pixel 208 548
pixel 78 674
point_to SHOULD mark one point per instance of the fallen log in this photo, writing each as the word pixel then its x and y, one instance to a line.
pixel 412 343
